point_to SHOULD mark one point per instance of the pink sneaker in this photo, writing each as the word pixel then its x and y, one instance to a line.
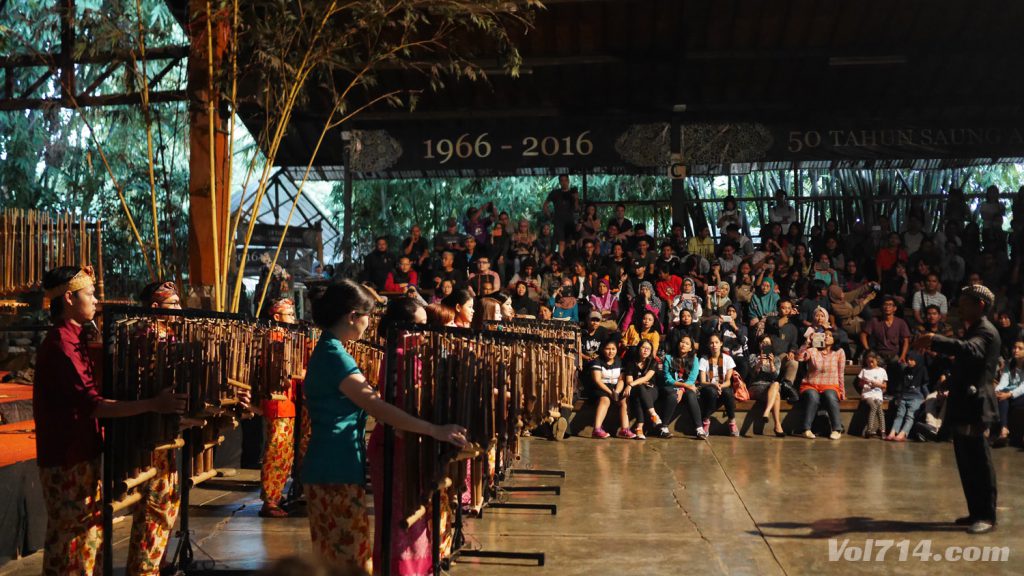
pixel 733 430
pixel 599 433
pixel 707 427
pixel 625 433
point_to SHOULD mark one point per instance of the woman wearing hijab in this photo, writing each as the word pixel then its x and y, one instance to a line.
pixel 603 301
pixel 564 304
pixel 765 302
pixel 847 306
pixel 521 301
pixel 645 300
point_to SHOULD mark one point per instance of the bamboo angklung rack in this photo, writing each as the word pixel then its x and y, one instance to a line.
pixel 32 242
pixel 209 355
pixel 476 380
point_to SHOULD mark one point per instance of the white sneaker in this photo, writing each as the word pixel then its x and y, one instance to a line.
pixel 809 435
pixel 835 435
pixel 701 434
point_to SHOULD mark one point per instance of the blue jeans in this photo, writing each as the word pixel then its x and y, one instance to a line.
pixel 812 399
pixel 906 409
pixel 1006 405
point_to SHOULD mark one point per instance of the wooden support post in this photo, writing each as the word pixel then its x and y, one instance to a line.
pixel 201 210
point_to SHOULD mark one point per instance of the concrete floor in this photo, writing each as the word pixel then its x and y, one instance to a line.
pixel 758 506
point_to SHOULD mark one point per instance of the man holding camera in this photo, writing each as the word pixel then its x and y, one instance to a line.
pixel 971 405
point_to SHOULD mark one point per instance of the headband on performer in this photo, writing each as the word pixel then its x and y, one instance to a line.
pixel 85 278
pixel 164 292
pixel 282 306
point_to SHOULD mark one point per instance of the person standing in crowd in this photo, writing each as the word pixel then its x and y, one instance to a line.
pixel 376 266
pixel 415 248
pixel 67 406
pixel 564 203
pixel 971 407
pixel 873 380
pixel 339 400
pixel 782 213
pixel 623 226
pixel 279 417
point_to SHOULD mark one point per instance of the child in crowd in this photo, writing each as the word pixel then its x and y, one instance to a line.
pixel 873 381
pixel 910 398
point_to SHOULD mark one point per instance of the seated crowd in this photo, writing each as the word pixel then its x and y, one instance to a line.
pixel 688 325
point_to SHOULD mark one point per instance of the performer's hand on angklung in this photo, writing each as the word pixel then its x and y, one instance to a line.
pixel 244 398
pixel 168 402
pixel 451 433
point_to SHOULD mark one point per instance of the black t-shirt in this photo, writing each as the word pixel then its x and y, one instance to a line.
pixel 637 370
pixel 418 248
pixel 591 344
pixel 784 338
pixel 561 204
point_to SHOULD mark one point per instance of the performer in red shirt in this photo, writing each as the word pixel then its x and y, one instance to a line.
pixel 279 415
pixel 67 404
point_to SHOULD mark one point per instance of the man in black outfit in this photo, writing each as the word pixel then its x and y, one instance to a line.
pixel 971 406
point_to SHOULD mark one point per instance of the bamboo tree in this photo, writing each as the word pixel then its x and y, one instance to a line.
pixel 149 141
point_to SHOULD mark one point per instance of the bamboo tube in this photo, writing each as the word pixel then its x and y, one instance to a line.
pixel 99 259
pixel 129 500
pixel 146 475
pixel 201 477
pixel 215 212
pixel 178 443
pixel 149 143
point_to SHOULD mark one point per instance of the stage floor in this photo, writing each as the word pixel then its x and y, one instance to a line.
pixel 728 506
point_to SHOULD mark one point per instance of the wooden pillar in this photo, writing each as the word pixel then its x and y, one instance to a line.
pixel 680 210
pixel 201 210
pixel 346 233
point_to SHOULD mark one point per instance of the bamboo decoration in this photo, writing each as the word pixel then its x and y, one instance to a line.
pixel 34 242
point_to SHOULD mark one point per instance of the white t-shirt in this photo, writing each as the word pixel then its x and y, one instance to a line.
pixel 727 364
pixel 871 392
pixel 991 214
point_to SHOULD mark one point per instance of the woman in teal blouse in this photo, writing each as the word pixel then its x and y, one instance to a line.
pixel 339 398
pixel 681 371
